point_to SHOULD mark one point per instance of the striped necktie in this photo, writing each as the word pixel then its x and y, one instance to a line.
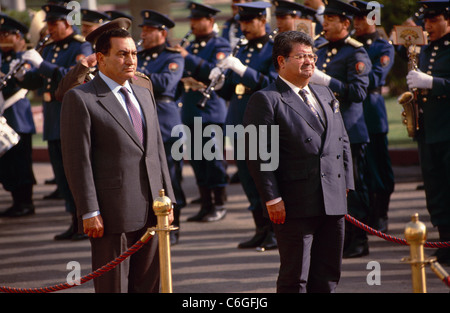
pixel 302 94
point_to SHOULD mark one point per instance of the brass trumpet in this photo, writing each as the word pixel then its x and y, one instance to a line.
pixel 408 99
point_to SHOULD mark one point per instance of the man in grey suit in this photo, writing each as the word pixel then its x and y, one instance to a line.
pixel 115 164
pixel 305 195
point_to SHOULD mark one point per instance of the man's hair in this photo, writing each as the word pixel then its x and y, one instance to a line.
pixel 103 43
pixel 284 42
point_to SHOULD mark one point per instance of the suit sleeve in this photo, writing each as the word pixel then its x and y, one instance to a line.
pixel 76 76
pixel 260 112
pixel 76 147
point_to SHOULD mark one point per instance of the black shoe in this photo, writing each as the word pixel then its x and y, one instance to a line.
pixel 174 237
pixel 443 256
pixel 18 211
pixel 382 224
pixel 198 217
pixel 269 243
pixel 67 235
pixel 215 215
pixel 78 237
pixel 255 241
pixel 356 249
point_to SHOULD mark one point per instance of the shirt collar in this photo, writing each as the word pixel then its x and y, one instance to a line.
pixel 295 88
pixel 114 86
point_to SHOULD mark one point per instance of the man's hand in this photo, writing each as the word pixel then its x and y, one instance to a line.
pixel 90 60
pixel 233 64
pixel 277 212
pixel 320 78
pixel 93 227
pixel 418 79
pixel 33 57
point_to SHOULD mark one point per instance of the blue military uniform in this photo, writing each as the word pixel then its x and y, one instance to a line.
pixel 256 54
pixel 348 64
pixel 164 66
pixel 204 53
pixel 16 171
pixel 284 7
pixel 58 57
pixel 381 176
pixel 434 128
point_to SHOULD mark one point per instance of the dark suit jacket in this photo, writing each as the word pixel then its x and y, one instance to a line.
pixel 315 164
pixel 107 167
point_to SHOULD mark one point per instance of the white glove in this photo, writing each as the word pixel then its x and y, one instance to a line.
pixel 33 57
pixel 418 79
pixel 234 64
pixel 20 74
pixel 320 78
pixel 214 74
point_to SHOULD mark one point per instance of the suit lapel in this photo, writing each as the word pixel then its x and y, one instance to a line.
pixel 109 101
pixel 289 97
pixel 327 110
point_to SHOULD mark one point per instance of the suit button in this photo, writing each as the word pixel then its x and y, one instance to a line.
pixel 339 175
pixel 338 156
pixel 309 139
pixel 322 175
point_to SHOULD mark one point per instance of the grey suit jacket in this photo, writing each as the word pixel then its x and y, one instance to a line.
pixel 315 164
pixel 107 167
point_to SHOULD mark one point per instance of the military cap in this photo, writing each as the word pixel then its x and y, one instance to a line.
pixel 338 7
pixel 55 12
pixel 250 10
pixel 362 6
pixel 8 24
pixel 155 19
pixel 283 7
pixel 435 7
pixel 120 22
pixel 94 16
pixel 113 14
pixel 201 10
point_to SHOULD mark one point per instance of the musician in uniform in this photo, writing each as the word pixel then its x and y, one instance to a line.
pixel 344 65
pixel 433 138
pixel 164 66
pixel 91 20
pixel 200 57
pixel 65 49
pixel 16 170
pixel 288 13
pixel 381 176
pixel 251 69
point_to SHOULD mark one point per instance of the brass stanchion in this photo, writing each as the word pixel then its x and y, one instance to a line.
pixel 415 235
pixel 162 206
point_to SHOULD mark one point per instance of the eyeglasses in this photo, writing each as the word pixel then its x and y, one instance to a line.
pixel 302 56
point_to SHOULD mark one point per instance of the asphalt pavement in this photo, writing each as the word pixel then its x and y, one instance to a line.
pixel 207 259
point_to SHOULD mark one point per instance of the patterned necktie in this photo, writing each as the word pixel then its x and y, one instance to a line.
pixel 136 119
pixel 302 94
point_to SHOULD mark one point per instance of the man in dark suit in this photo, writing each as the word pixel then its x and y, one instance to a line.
pixel 115 164
pixel 305 195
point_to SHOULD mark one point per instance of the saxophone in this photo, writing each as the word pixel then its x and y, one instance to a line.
pixel 408 99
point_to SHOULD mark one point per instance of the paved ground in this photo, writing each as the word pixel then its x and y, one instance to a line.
pixel 206 260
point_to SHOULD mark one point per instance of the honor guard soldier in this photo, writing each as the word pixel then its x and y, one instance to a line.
pixel 91 20
pixel 344 65
pixel 113 14
pixel 164 66
pixel 287 13
pixel 63 52
pixel 200 57
pixel 250 70
pixel 380 177
pixel 16 171
pixel 433 81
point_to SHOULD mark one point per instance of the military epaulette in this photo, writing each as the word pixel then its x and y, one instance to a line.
pixel 322 45
pixel 171 49
pixel 353 42
pixel 79 38
pixel 142 75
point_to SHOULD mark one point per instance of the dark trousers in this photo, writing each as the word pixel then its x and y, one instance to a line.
pixel 139 273
pixel 310 254
pixel 56 160
pixel 208 173
pixel 180 197
pixel 435 164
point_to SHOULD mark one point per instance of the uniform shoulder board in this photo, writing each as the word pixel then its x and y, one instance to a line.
pixel 322 45
pixel 171 49
pixel 142 75
pixel 353 42
pixel 79 38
